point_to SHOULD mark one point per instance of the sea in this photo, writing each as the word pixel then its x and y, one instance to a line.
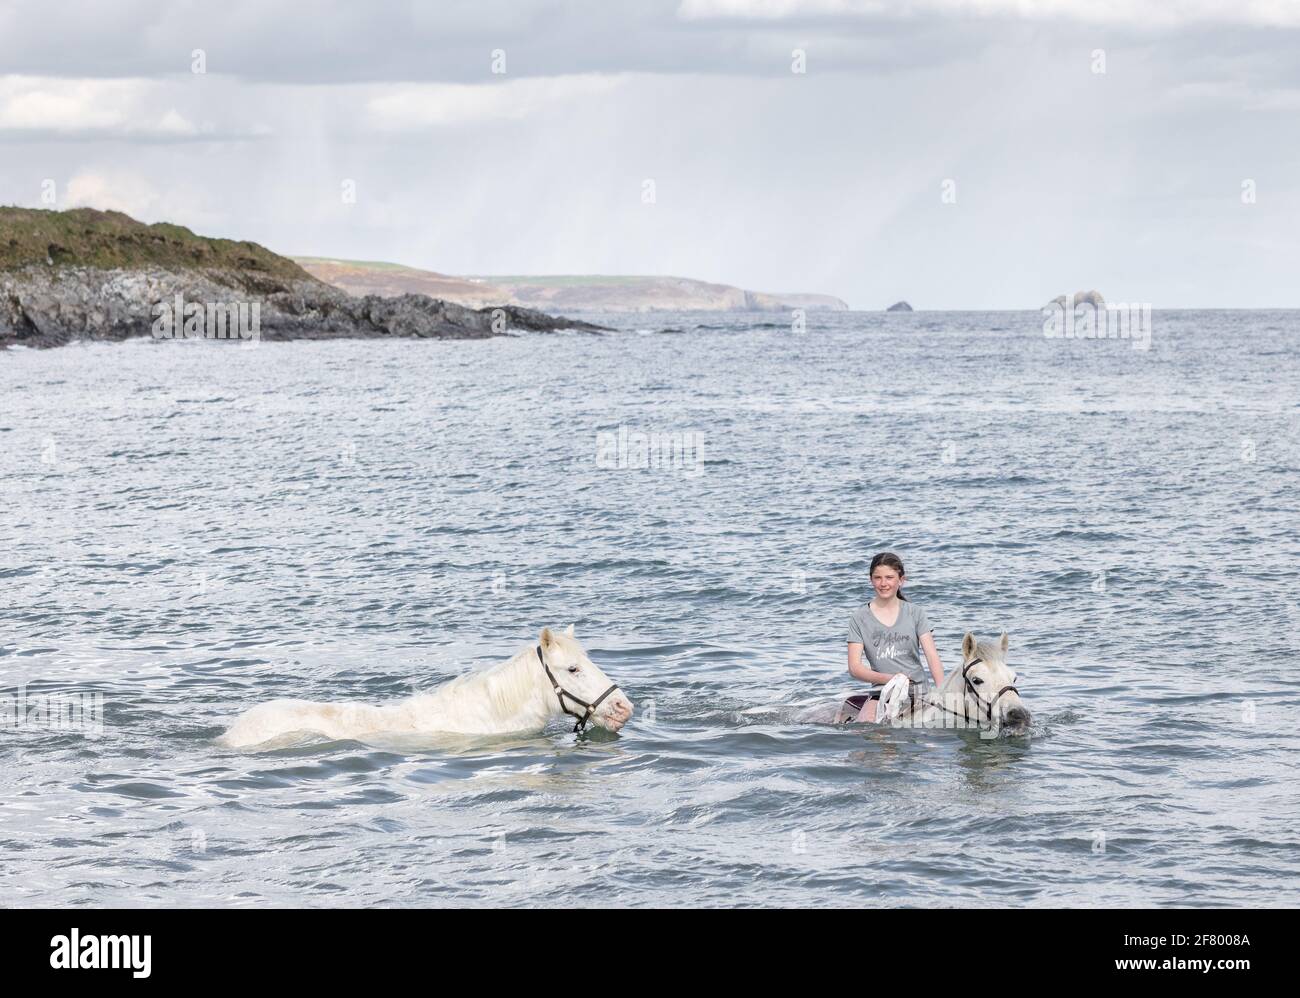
pixel 194 528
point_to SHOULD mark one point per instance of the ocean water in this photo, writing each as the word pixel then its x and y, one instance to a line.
pixel 191 529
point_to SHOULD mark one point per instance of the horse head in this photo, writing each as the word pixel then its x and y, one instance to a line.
pixel 989 684
pixel 578 686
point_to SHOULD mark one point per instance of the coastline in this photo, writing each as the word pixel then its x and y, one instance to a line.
pixel 44 307
pixel 102 276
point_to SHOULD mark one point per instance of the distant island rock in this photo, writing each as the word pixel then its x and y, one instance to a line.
pixel 899 306
pixel 99 275
pixel 1092 298
pixel 574 293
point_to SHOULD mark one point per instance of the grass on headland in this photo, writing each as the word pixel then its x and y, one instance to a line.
pixel 108 240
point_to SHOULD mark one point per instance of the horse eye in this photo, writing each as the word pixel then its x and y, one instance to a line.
pixel 977 682
pixel 573 669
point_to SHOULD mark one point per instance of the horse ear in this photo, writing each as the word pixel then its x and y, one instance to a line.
pixel 968 646
pixel 547 638
pixel 569 630
pixel 1004 642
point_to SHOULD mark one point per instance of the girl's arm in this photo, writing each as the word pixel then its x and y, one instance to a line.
pixel 860 670
pixel 931 656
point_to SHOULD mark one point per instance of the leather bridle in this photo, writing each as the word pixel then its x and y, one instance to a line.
pixel 988 705
pixel 561 693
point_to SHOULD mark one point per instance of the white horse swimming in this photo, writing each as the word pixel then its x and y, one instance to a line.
pixel 982 694
pixel 539 683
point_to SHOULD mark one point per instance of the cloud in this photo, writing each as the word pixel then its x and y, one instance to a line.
pixel 122 192
pixel 431 105
pixel 396 41
pixel 142 111
pixel 89 109
pixel 1138 13
pixel 161 199
pixel 65 105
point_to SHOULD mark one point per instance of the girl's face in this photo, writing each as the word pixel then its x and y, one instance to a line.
pixel 886 581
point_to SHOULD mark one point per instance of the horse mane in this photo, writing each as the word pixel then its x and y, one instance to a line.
pixel 509 685
pixel 506 686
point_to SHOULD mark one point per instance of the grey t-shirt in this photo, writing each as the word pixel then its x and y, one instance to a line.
pixel 891 649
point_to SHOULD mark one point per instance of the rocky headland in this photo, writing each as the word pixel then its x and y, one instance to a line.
pixel 101 275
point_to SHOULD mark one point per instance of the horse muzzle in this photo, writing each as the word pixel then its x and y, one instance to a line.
pixel 614 712
pixel 1016 719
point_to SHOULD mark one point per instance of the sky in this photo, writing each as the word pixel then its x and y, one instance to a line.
pixel 980 154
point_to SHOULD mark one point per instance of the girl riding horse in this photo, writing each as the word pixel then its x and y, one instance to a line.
pixel 889 630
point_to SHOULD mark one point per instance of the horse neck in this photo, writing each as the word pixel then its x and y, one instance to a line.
pixel 527 671
pixel 518 688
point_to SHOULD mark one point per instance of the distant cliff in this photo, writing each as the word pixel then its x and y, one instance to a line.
pixel 389 280
pixel 96 275
pixel 566 293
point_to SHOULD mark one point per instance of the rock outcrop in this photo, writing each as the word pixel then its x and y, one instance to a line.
pixel 91 275
pixel 899 306
pixel 1092 298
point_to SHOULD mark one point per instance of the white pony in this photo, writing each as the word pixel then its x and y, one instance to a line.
pixel 981 694
pixel 539 683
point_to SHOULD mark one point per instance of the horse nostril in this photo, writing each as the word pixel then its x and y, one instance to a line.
pixel 1018 715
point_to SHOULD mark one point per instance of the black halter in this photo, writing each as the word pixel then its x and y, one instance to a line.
pixel 988 705
pixel 561 693
pixel 970 687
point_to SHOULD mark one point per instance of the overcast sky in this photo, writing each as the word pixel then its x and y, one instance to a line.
pixel 1172 177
